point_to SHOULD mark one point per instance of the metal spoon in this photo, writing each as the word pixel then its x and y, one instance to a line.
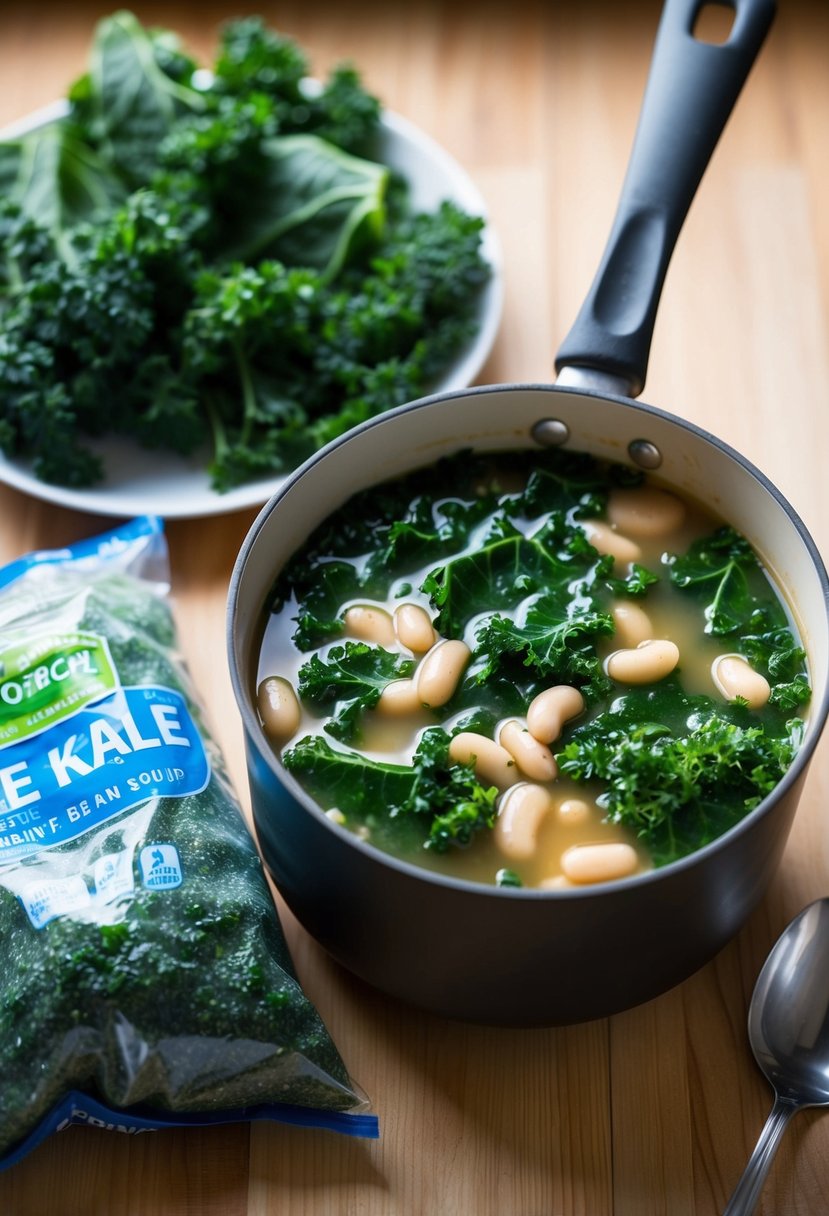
pixel 788 1028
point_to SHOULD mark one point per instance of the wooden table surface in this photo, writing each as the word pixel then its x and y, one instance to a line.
pixel 655 1110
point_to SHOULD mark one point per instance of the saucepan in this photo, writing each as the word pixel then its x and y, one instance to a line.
pixel 533 957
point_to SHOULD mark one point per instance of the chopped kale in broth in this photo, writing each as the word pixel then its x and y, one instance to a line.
pixel 559 674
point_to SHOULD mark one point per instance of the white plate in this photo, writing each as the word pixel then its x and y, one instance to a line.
pixel 139 481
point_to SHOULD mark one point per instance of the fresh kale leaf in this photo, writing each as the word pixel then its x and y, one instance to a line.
pixel 137 86
pixel 570 482
pixel 433 802
pixel 58 179
pixel 721 570
pixel 497 575
pixel 254 60
pixel 210 164
pixel 450 793
pixel 80 334
pixel 345 780
pixel 635 584
pixel 678 791
pixel 313 202
pixel 229 351
pixel 351 679
pixel 556 642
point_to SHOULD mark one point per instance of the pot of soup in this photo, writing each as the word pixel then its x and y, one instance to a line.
pixel 531 674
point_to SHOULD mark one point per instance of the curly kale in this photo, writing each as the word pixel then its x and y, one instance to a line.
pixel 350 679
pixel 677 792
pixel 254 60
pixel 432 802
pixel 216 264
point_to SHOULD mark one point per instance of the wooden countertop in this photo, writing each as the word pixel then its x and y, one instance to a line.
pixel 652 1111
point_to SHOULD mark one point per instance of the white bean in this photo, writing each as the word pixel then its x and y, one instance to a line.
pixel 398 699
pixel 370 624
pixel 645 511
pixel 633 625
pixel 533 758
pixel 414 628
pixel 439 673
pixel 551 709
pixel 646 663
pixel 734 677
pixel 574 810
pixel 603 537
pixel 278 708
pixel 520 815
pixel 586 863
pixel 492 763
pixel 335 815
pixel 556 883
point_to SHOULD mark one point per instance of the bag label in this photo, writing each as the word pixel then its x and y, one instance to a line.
pixel 49 678
pixel 137 743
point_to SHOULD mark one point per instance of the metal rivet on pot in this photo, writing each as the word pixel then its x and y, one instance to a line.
pixel 644 453
pixel 551 432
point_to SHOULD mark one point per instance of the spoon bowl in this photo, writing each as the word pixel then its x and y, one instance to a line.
pixel 788 1028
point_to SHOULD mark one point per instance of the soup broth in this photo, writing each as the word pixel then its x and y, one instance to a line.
pixel 531 670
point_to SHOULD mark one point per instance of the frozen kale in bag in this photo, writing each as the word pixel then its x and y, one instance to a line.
pixel 144 967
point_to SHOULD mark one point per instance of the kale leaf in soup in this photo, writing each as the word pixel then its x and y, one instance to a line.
pixel 559 673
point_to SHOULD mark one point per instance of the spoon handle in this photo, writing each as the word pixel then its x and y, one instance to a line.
pixel 747 1192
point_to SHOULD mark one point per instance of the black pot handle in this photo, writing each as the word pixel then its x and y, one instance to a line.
pixel 691 90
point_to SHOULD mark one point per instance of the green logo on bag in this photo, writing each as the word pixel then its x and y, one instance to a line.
pixel 51 677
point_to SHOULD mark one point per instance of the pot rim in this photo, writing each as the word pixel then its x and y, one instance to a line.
pixel 817 716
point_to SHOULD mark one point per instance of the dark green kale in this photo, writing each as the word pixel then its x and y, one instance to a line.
pixel 506 568
pixel 724 574
pixel 635 584
pixel 571 483
pixel 678 787
pixel 79 334
pixel 231 358
pixel 721 571
pixel 256 61
pixel 557 640
pixel 537 596
pixel 139 83
pixel 291 293
pixel 349 680
pixel 432 803
pixel 450 793
pixel 57 179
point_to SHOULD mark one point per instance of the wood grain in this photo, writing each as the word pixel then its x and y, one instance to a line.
pixel 652 1112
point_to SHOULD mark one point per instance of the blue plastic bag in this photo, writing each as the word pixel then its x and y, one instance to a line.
pixel 146 980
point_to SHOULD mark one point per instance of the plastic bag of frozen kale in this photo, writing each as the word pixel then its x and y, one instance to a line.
pixel 145 980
